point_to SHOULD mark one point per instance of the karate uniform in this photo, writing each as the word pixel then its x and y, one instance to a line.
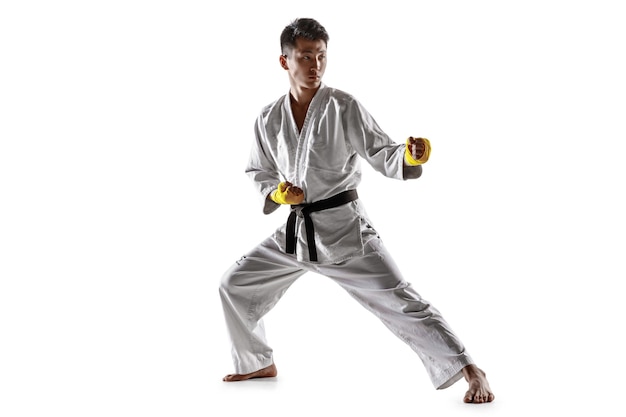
pixel 323 159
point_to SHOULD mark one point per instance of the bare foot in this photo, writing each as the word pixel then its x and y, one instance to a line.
pixel 267 372
pixel 479 391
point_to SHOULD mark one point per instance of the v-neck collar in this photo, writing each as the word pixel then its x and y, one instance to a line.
pixel 311 109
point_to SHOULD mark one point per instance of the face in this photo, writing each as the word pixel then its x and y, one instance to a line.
pixel 305 63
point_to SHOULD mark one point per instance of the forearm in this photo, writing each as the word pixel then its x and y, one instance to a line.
pixel 411 172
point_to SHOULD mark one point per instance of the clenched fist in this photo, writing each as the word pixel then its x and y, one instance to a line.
pixel 287 193
pixel 417 151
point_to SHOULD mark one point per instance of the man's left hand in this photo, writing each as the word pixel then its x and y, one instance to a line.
pixel 417 151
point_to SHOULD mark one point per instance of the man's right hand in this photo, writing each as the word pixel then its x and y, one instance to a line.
pixel 287 193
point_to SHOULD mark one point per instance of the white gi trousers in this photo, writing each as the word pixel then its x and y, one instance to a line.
pixel 255 283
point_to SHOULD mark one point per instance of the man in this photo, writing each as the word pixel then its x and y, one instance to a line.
pixel 307 150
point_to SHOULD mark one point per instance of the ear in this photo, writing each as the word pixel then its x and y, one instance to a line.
pixel 283 62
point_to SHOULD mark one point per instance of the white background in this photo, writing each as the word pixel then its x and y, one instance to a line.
pixel 125 127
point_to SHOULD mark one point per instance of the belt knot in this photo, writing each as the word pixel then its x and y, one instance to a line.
pixel 304 211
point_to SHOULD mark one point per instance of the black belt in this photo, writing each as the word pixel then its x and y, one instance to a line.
pixel 303 210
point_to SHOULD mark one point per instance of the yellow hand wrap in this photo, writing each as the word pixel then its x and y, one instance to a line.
pixel 423 159
pixel 279 195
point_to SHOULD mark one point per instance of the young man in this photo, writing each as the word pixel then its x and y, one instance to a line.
pixel 307 150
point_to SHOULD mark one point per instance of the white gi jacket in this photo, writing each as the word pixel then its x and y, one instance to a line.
pixel 323 160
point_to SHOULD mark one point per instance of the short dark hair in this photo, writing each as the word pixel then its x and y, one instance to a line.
pixel 305 28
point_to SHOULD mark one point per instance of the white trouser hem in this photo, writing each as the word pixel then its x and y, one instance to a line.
pixel 253 366
pixel 452 374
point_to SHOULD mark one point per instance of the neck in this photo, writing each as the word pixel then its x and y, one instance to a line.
pixel 302 97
